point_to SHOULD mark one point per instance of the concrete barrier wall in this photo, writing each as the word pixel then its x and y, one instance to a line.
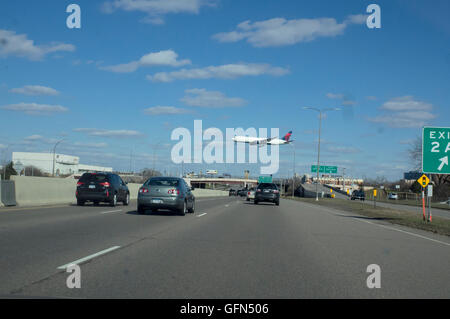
pixel 199 192
pixel 35 191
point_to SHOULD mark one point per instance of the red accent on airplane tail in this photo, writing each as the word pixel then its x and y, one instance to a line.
pixel 287 136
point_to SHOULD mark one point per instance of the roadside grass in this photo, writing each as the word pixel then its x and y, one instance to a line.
pixel 412 203
pixel 399 217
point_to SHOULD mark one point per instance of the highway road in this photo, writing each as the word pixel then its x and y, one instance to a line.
pixel 228 249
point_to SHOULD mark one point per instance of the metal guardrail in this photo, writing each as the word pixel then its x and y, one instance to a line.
pixel 8 193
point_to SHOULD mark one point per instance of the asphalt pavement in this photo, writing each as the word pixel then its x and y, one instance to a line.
pixel 229 248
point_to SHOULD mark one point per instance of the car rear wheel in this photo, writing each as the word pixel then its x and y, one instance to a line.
pixel 256 202
pixel 113 202
pixel 182 212
pixel 80 203
pixel 277 203
pixel 140 210
pixel 192 209
pixel 96 203
pixel 127 200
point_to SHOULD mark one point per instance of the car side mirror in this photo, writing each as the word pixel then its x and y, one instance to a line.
pixel 192 188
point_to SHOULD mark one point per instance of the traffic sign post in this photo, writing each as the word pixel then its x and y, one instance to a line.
pixel 430 196
pixel 436 150
pixel 374 198
pixel 423 181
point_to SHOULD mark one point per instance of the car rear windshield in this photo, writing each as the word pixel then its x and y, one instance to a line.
pixel 267 186
pixel 87 178
pixel 163 182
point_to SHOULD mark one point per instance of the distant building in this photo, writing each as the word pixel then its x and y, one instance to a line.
pixel 64 164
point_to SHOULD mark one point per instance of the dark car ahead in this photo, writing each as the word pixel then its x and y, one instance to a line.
pixel 242 192
pixel 232 192
pixel 358 195
pixel 267 192
pixel 102 187
pixel 170 193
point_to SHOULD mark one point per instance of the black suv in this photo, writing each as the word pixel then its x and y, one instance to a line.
pixel 267 192
pixel 102 187
pixel 358 195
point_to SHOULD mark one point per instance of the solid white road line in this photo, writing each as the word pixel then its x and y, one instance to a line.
pixel 79 261
pixel 335 212
pixel 202 215
pixel 111 211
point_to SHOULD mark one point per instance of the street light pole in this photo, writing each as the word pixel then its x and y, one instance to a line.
pixel 155 146
pixel 318 150
pixel 293 172
pixel 54 151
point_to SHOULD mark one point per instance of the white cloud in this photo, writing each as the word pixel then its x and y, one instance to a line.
pixel 334 96
pixel 90 145
pixel 163 110
pixel 34 138
pixel 280 32
pixel 406 103
pixel 108 133
pixel 213 99
pixel 228 71
pixel 12 44
pixel 35 109
pixel 35 90
pixel 405 112
pixel 346 101
pixel 161 58
pixel 156 9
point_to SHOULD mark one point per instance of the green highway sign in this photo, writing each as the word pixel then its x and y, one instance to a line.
pixel 324 169
pixel 436 150
pixel 265 179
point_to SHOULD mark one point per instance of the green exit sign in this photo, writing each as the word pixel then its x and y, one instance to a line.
pixel 325 169
pixel 436 150
pixel 265 179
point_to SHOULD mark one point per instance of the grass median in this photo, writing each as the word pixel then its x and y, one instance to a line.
pixel 400 217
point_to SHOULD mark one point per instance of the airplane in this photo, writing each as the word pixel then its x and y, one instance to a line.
pixel 261 141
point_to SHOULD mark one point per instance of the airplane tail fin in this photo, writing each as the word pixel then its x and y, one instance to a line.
pixel 287 136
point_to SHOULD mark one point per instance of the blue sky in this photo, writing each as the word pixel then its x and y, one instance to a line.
pixel 138 69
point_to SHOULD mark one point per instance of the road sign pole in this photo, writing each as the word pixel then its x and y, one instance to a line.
pixel 423 204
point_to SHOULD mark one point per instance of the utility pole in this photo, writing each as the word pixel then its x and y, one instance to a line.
pixel 293 173
pixel 318 150
pixel 343 178
pixel 54 154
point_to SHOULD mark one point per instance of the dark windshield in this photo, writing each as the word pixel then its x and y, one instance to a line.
pixel 87 178
pixel 267 186
pixel 163 182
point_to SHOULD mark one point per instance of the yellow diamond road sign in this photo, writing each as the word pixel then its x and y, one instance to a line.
pixel 424 181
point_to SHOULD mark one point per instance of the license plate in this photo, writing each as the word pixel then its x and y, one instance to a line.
pixel 92 186
pixel 157 201
pixel 266 191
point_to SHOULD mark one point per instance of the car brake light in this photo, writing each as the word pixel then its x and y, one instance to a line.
pixel 275 192
pixel 106 184
pixel 80 183
pixel 143 190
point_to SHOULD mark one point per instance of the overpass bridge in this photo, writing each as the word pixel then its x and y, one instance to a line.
pixel 215 182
